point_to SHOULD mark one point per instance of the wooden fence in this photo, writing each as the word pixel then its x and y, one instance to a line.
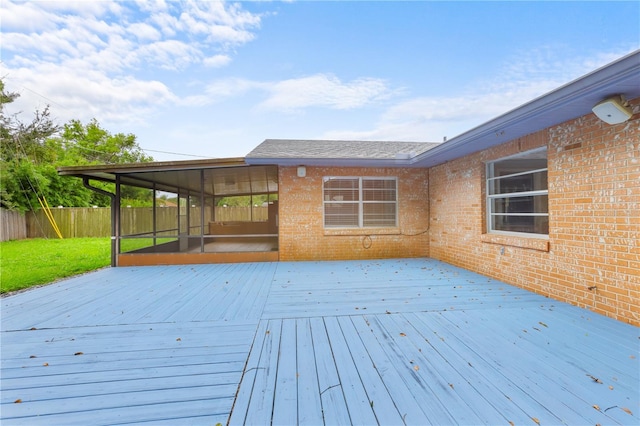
pixel 13 225
pixel 78 222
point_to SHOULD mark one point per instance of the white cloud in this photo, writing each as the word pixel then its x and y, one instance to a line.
pixel 522 79
pixel 24 17
pixel 226 88
pixel 144 31
pixel 86 8
pixel 98 59
pixel 80 95
pixel 294 95
pixel 216 61
pixel 168 54
pixel 324 90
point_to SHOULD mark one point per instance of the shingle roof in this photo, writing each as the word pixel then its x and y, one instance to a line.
pixel 337 149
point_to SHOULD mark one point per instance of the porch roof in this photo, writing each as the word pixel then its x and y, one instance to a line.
pixel 401 341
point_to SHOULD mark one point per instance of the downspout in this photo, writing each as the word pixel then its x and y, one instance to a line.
pixel 85 182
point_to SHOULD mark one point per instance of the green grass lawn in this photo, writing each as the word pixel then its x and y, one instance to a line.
pixel 26 263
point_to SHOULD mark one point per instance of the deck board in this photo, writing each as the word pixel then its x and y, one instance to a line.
pixel 260 405
pixel 309 402
pixel 334 405
pixel 400 341
pixel 108 374
pixel 285 401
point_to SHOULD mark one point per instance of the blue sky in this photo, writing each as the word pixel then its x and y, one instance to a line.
pixel 214 79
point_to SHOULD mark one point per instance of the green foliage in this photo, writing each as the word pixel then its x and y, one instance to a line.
pixel 55 259
pixel 30 154
pixel 91 144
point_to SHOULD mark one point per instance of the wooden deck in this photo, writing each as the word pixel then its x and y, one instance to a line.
pixel 406 341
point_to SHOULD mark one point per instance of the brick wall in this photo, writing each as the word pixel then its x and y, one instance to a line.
pixel 594 212
pixel 302 234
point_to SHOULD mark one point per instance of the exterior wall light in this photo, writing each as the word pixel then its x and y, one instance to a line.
pixel 302 171
pixel 614 110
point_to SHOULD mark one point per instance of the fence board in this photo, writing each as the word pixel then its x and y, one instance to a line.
pixel 13 225
pixel 80 222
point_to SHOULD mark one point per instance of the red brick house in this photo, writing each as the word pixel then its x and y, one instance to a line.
pixel 545 197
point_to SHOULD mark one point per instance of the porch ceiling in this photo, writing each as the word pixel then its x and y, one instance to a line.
pixel 221 177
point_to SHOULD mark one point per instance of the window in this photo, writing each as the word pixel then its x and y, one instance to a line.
pixel 360 202
pixel 517 194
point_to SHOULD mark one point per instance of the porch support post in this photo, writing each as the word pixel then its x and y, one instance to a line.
pixel 202 206
pixel 115 216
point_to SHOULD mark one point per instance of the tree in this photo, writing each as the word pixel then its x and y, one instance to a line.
pixel 30 154
pixel 80 144
pixel 95 145
pixel 27 175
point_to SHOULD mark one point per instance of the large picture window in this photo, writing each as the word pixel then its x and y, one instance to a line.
pixel 517 194
pixel 360 202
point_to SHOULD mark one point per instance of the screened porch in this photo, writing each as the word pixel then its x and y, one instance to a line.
pixel 201 212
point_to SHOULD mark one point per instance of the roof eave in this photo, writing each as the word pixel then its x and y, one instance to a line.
pixel 113 169
pixel 330 162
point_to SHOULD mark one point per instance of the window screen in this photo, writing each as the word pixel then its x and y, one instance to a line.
pixel 517 194
pixel 360 202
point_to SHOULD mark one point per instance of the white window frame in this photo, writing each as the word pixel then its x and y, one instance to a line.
pixel 490 178
pixel 360 202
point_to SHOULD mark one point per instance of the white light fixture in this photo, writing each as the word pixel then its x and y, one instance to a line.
pixel 614 110
pixel 302 171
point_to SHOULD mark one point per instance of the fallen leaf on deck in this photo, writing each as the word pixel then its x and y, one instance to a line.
pixel 33 356
pixel 610 387
pixel 596 406
pixel 79 353
pixel 595 379
pixel 535 420
pixel 512 423
pixel 178 340
pixel 267 332
pixel 403 335
pixel 415 367
pixel 46 364
pixel 543 324
pixel 33 328
pixel 626 410
pixel 451 385
pixel 17 401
